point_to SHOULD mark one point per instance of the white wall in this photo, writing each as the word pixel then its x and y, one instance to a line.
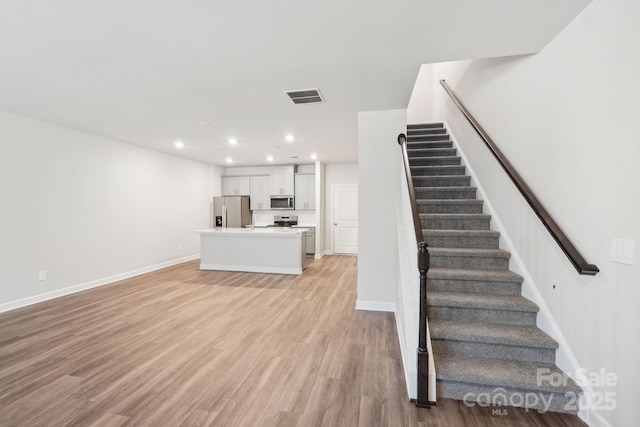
pixel 567 119
pixel 86 209
pixel 378 183
pixel 335 174
pixel 420 107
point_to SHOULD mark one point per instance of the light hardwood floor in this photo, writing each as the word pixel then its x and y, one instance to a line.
pixel 186 347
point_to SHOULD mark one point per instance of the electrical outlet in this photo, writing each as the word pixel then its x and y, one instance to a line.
pixel 180 247
pixel 42 275
pixel 622 251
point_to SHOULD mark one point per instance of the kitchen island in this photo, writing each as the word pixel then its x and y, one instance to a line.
pixel 256 250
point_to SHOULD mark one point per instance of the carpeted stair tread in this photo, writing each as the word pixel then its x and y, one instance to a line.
pixel 427 137
pixel 445 193
pixel 438 170
pixel 462 237
pixel 490 333
pixel 431 152
pixel 481 301
pixel 501 373
pixel 442 143
pixel 450 205
pixel 415 126
pixel 441 181
pixel 459 233
pixel 456 221
pixel 470 252
pixel 434 161
pixel 482 275
pixel 427 216
pixel 426 131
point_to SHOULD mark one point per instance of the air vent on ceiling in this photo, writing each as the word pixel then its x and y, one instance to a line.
pixel 305 96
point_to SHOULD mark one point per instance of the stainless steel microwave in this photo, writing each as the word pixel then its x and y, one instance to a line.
pixel 282 202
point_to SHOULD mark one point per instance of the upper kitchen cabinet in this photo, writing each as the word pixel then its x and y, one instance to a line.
pixel 305 197
pixel 260 192
pixel 236 186
pixel 282 180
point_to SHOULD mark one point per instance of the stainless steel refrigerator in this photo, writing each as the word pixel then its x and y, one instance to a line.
pixel 231 211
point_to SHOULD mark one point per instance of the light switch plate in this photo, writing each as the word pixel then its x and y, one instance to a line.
pixel 622 251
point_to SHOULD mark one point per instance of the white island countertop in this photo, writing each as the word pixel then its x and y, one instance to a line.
pixel 259 250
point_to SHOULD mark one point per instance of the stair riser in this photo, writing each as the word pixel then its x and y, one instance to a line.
pixel 462 242
pixel 445 193
pixel 446 206
pixel 469 263
pixel 427 137
pixel 420 132
pixel 419 126
pixel 455 224
pixel 441 181
pixel 553 402
pixel 503 317
pixel 448 348
pixel 474 286
pixel 434 161
pixel 417 171
pixel 429 144
pixel 431 152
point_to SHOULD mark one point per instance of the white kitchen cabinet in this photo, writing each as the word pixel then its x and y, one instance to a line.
pixel 310 239
pixel 305 192
pixel 260 192
pixel 282 181
pixel 236 186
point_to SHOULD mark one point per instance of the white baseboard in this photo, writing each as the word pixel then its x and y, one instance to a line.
pixel 376 306
pixel 328 252
pixel 12 305
pixel 410 378
pixel 594 419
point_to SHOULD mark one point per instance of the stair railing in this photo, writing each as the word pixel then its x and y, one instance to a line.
pixel 550 224
pixel 422 398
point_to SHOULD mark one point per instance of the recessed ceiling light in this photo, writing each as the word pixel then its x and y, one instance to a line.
pixel 228 160
pixel 269 158
pixel 314 156
pixel 204 123
pixel 233 141
pixel 289 138
pixel 178 144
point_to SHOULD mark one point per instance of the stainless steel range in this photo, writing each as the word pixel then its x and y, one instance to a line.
pixel 282 221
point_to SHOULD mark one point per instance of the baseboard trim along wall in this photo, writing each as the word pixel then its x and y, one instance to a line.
pixel 12 305
pixel 410 378
pixel 376 306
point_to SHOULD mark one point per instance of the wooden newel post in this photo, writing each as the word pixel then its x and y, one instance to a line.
pixel 423 356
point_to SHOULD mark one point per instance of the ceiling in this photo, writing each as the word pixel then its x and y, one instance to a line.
pixel 148 72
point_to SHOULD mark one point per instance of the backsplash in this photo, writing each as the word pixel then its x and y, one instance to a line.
pixel 266 217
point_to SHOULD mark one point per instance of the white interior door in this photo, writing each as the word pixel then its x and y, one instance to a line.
pixel 344 201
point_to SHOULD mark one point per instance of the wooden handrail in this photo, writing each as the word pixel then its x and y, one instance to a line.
pixel 422 351
pixel 402 140
pixel 578 261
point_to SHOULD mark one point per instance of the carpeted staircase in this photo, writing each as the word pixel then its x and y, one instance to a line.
pixel 486 345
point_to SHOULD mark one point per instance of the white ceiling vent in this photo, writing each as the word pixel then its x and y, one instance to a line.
pixel 305 96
